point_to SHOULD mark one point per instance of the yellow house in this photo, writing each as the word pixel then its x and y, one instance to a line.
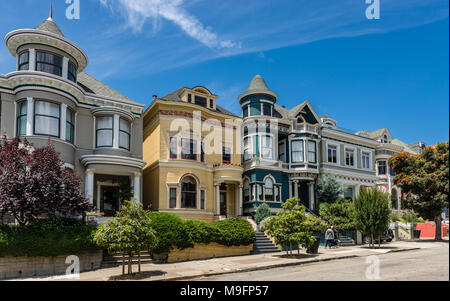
pixel 193 154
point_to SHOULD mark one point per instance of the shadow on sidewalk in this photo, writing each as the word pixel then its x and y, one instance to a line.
pixel 296 256
pixel 137 276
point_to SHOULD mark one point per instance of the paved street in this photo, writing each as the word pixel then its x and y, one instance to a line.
pixel 415 265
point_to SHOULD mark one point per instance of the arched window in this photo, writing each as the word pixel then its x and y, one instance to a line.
pixel 300 120
pixel 385 139
pixel 268 190
pixel 189 193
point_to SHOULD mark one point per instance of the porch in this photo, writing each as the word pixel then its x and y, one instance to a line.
pixel 227 199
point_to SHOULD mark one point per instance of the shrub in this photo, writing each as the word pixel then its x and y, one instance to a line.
pixel 48 237
pixel 173 232
pixel 329 189
pixel 263 224
pixel 235 232
pixel 316 225
pixel 339 214
pixel 170 230
pixel 262 212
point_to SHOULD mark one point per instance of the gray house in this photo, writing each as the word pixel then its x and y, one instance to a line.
pixel 97 130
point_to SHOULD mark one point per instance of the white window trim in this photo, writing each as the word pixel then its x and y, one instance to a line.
pixel 292 150
pixel 261 146
pixel 353 149
pixel 316 151
pixel 338 157
pixel 370 159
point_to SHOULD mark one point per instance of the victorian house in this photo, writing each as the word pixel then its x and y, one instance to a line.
pixel 192 149
pixel 49 97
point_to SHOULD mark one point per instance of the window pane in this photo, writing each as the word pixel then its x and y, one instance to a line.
pixel 47 108
pixel 46 126
pixel 173 198
pixel 104 137
pixel 124 125
pixel 22 126
pixel 173 148
pixel 124 140
pixel 104 122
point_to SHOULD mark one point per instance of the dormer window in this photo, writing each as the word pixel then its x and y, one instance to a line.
pixel 300 120
pixel 385 139
pixel 49 63
pixel 201 101
pixel 211 103
pixel 24 61
pixel 189 98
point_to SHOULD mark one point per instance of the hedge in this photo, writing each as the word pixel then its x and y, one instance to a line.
pixel 172 232
pixel 48 237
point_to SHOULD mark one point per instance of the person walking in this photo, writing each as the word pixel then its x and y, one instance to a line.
pixel 329 237
pixel 336 241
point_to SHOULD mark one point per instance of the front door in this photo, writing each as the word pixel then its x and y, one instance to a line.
pixel 223 203
pixel 110 200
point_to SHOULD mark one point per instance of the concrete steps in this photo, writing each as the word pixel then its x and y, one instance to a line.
pixel 346 241
pixel 263 245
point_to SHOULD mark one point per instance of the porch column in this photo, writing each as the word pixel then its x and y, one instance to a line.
pixel 296 189
pixel 30 115
pixel 89 188
pixel 137 186
pixel 399 199
pixel 311 195
pixel 240 203
pixel 290 189
pixel 357 190
pixel 217 200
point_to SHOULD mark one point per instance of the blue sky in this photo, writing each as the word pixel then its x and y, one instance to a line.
pixel 367 74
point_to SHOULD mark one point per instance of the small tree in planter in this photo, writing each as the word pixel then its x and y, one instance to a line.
pixel 130 232
pixel 289 227
pixel 372 214
pixel 262 212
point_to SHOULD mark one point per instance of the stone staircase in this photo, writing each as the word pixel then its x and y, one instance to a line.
pixel 345 240
pixel 116 259
pixel 263 245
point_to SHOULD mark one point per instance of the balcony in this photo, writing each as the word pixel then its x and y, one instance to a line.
pixel 305 128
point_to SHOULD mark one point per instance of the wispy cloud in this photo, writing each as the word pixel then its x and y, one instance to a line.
pixel 138 12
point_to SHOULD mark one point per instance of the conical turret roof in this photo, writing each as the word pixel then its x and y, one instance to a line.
pixel 258 86
pixel 50 26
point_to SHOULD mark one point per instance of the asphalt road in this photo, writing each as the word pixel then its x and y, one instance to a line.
pixel 416 265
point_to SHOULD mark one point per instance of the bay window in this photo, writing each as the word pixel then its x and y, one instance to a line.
pixel 70 126
pixel 268 190
pixel 281 152
pixel 267 147
pixel 247 148
pixel 104 132
pixel 72 72
pixel 382 167
pixel 246 191
pixel 46 118
pixel 49 63
pixel 226 155
pixel 298 153
pixel 21 118
pixel 124 134
pixel 173 148
pixel 312 152
pixel 188 149
pixel 266 110
pixel 24 61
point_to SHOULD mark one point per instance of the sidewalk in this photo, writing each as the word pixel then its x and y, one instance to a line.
pixel 217 266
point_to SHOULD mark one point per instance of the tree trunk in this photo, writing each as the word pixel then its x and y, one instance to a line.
pixel 379 242
pixel 130 264
pixel 123 263
pixel 372 241
pixel 438 222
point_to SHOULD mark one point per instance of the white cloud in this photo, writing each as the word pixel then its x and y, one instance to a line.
pixel 139 11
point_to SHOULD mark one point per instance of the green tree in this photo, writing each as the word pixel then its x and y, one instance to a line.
pixel 372 213
pixel 329 189
pixel 262 212
pixel 130 232
pixel 424 179
pixel 338 214
pixel 289 227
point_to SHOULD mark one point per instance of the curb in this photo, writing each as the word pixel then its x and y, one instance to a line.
pixel 274 266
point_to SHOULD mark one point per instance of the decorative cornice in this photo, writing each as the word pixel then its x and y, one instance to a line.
pixel 112 160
